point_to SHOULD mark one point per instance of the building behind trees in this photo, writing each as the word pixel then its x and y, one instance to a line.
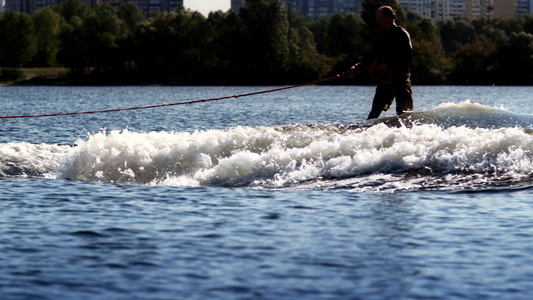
pixel 145 6
pixel 434 9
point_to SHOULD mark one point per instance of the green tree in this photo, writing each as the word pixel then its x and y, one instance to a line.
pixel 101 30
pixel 150 46
pixel 456 32
pixel 319 28
pixel 46 22
pixel 344 37
pixel 169 45
pixel 344 41
pixel 528 24
pixel 221 56
pixel 73 46
pixel 131 16
pixel 304 61
pixel 515 60
pixel 495 29
pixel 429 63
pixel 18 42
pixel 131 19
pixel 265 41
pixel 73 8
pixel 473 62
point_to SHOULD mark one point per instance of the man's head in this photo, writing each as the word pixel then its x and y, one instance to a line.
pixel 386 17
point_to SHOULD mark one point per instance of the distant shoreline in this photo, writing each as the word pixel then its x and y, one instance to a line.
pixel 59 76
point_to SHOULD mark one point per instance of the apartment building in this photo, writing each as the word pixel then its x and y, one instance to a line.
pixel 435 9
pixel 236 5
pixel 449 9
pixel 504 8
pixel 149 6
pixel 145 6
pixel 313 8
pixel 425 8
pixel 320 8
pixel 524 7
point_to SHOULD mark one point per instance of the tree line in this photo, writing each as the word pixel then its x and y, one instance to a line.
pixel 263 44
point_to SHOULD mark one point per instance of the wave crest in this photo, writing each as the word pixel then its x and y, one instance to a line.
pixel 447 146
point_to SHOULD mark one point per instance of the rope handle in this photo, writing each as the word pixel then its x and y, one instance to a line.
pixel 177 103
pixel 373 71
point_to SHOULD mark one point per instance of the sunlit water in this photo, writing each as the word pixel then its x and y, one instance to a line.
pixel 286 195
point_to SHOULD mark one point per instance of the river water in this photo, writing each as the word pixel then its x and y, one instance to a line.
pixel 284 195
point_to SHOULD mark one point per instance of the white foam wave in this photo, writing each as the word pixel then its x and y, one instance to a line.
pixel 30 160
pixel 274 157
pixel 472 115
pixel 286 156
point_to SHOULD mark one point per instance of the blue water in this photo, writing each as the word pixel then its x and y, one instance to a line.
pixel 287 195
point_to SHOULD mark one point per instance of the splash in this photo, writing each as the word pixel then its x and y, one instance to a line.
pixel 30 160
pixel 437 149
pixel 471 115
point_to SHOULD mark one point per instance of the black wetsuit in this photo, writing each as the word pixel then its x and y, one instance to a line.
pixel 393 48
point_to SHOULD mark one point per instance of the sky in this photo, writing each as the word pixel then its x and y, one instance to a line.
pixel 206 6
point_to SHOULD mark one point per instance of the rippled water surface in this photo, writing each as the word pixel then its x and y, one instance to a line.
pixel 287 195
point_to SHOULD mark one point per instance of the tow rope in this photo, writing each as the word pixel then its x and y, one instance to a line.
pixel 177 103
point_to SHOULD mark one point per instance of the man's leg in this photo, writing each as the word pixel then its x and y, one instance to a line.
pixel 404 97
pixel 382 100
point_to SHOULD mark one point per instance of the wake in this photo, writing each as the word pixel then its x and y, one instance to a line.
pixel 453 146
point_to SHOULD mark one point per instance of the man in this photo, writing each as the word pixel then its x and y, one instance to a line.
pixel 392 55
